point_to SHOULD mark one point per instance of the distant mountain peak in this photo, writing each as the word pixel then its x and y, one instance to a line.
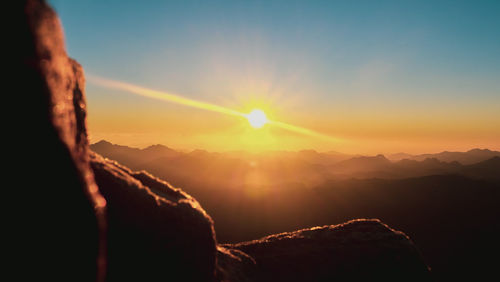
pixel 377 158
pixel 103 142
pixel 103 145
pixel 477 150
pixel 431 160
pixel 199 152
pixel 495 160
pixel 157 147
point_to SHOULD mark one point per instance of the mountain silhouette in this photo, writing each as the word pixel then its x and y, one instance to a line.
pixel 466 158
pixel 447 208
pixel 489 169
pixel 134 157
pixel 307 166
pixel 361 164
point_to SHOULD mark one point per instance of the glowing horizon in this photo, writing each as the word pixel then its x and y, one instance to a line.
pixel 368 135
pixel 385 78
pixel 256 117
pixel 360 135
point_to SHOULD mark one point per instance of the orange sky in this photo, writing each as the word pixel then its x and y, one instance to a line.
pixel 139 122
pixel 384 77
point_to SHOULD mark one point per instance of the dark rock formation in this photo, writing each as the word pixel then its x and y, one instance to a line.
pixel 154 231
pixel 65 220
pixel 359 250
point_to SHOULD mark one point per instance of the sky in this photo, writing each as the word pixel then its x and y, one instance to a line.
pixel 368 76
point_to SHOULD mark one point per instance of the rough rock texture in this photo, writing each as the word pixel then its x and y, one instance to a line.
pixel 359 250
pixel 66 210
pixel 154 229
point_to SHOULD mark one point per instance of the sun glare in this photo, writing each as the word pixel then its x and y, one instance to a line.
pixel 257 118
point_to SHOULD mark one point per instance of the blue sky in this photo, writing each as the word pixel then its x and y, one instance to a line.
pixel 390 57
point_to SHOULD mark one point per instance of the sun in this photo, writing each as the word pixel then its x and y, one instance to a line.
pixel 257 118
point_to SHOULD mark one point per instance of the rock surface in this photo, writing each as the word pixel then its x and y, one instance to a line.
pixel 153 228
pixel 65 217
pixel 150 230
pixel 359 250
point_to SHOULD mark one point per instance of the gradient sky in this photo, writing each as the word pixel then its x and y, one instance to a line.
pixel 381 76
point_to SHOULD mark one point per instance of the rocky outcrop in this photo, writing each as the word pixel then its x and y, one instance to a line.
pixel 131 226
pixel 359 250
pixel 65 215
pixel 154 230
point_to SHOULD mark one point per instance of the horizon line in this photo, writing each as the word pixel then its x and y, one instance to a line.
pixel 293 151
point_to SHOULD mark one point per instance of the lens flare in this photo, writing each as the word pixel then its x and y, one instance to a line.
pixel 257 118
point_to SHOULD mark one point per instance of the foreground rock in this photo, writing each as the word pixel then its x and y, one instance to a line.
pixel 359 250
pixel 58 208
pixel 154 230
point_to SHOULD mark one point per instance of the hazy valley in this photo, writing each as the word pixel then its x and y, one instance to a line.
pixel 446 202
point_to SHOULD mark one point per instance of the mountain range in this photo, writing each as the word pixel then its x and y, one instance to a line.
pixel 307 166
pixel 469 157
pixel 446 202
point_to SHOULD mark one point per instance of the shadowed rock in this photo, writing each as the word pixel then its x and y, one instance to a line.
pixel 154 230
pixel 66 219
pixel 359 250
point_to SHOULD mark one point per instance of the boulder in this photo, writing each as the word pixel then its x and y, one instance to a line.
pixel 358 250
pixel 154 229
